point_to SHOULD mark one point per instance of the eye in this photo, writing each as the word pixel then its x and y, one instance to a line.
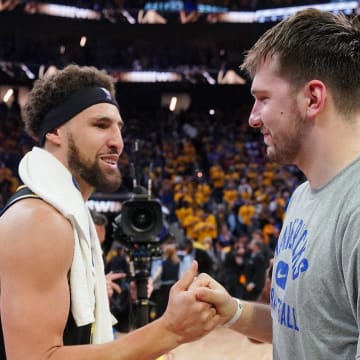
pixel 101 125
pixel 260 97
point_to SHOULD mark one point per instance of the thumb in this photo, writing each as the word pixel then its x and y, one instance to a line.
pixel 187 278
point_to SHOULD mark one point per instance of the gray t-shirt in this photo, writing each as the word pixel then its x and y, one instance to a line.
pixel 314 295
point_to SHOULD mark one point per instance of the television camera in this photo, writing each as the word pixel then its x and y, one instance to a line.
pixel 137 228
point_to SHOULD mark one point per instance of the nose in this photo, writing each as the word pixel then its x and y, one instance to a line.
pixel 116 140
pixel 255 119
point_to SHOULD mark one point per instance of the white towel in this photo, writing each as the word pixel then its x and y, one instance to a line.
pixel 47 177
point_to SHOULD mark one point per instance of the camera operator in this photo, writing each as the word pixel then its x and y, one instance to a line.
pixel 121 302
pixel 166 275
pixel 112 277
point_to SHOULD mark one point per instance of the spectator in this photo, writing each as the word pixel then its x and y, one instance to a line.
pixel 167 274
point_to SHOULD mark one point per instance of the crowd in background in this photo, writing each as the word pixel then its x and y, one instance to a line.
pixel 171 55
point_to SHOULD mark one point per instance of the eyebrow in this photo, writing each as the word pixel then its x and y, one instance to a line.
pixel 256 91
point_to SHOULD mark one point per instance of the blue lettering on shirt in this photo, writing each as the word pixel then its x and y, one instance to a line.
pixel 293 239
pixel 286 314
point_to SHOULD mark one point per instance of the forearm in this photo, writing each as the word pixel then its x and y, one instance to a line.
pixel 255 321
pixel 146 343
pixel 185 319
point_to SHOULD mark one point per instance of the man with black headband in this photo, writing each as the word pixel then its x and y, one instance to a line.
pixel 73 105
pixel 53 292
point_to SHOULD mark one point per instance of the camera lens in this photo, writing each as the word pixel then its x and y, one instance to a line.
pixel 141 219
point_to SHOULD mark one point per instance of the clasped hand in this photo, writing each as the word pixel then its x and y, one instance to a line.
pixel 197 304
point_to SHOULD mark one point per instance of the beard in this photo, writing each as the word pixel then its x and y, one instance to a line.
pixel 91 172
pixel 286 145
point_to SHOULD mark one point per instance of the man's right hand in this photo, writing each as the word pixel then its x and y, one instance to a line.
pixel 186 316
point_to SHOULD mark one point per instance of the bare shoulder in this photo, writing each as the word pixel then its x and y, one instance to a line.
pixel 36 250
pixel 33 231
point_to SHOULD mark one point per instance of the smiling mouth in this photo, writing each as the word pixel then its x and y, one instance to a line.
pixel 110 160
pixel 267 137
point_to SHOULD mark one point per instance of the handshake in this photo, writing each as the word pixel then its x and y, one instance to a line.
pixel 198 304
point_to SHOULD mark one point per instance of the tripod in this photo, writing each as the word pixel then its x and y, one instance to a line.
pixel 142 267
pixel 142 256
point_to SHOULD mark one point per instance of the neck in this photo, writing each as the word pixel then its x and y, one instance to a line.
pixel 331 145
pixel 85 189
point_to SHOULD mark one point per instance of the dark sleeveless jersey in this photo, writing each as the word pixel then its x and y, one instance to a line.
pixel 73 335
pixel 169 273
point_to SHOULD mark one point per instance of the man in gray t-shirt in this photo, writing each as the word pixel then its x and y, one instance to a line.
pixel 316 272
pixel 306 86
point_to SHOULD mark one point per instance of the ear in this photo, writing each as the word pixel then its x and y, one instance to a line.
pixel 315 94
pixel 54 136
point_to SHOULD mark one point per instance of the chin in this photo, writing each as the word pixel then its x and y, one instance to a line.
pixel 270 153
pixel 273 156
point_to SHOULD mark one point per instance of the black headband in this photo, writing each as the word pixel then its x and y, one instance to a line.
pixel 72 106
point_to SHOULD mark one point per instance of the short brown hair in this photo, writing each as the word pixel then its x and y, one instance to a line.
pixel 50 91
pixel 314 44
